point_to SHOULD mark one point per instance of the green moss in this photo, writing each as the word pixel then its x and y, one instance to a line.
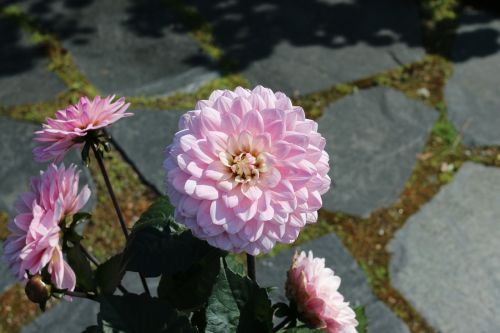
pixel 199 28
pixel 439 24
pixel 182 100
pixel 4 219
pixel 445 131
pixel 60 61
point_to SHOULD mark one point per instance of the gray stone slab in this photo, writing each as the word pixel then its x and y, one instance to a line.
pixel 472 91
pixel 66 317
pixel 143 139
pixel 373 138
pixel 6 277
pixel 446 259
pixel 354 286
pixel 79 314
pixel 23 66
pixel 126 47
pixel 307 45
pixel 17 167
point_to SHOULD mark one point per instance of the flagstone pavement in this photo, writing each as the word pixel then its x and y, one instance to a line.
pixel 416 167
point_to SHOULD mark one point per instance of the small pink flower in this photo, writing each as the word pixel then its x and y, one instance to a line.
pixel 314 290
pixel 70 126
pixel 34 237
pixel 246 170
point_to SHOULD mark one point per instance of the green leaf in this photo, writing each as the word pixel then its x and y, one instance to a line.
pixel 301 330
pixel 237 304
pixel 138 313
pixel 234 263
pixel 79 218
pixel 109 274
pixel 81 266
pixel 153 252
pixel 361 318
pixel 92 329
pixel 159 214
pixel 189 290
pixel 281 310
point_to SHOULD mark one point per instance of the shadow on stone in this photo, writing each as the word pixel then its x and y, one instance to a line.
pixel 16 55
pixel 250 30
pixel 478 36
pixel 125 47
pixel 308 45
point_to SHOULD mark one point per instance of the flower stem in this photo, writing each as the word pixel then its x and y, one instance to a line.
pixel 79 294
pixel 251 267
pixel 100 161
pixel 282 324
pixel 110 190
pixel 89 255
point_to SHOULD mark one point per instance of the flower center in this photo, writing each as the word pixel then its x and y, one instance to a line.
pixel 247 167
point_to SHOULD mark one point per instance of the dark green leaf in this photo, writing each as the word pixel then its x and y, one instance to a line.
pixel 190 289
pixel 92 329
pixel 109 274
pixel 160 215
pixel 199 319
pixel 361 318
pixel 79 218
pixel 139 313
pixel 81 266
pixel 281 310
pixel 237 304
pixel 153 252
pixel 235 264
pixel 301 330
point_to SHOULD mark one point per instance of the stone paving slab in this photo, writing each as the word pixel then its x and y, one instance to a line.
pixel 143 139
pixel 446 259
pixel 354 286
pixel 126 47
pixel 309 45
pixel 23 66
pixel 373 138
pixel 472 91
pixel 15 170
pixel 7 279
pixel 80 313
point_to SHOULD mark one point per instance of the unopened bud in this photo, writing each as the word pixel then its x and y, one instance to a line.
pixel 37 290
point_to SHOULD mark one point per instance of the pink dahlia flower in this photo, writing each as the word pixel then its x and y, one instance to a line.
pixel 70 126
pixel 33 242
pixel 246 170
pixel 314 290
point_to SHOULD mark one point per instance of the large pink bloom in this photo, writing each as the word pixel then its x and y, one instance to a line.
pixel 33 242
pixel 68 129
pixel 246 170
pixel 314 290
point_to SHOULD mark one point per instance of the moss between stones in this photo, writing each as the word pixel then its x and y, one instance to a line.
pixel 4 232
pixel 16 309
pixel 60 61
pixel 200 29
pixel 186 101
pixel 439 21
pixel 365 238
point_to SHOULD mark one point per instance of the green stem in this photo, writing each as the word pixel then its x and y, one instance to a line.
pixel 118 211
pixel 251 267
